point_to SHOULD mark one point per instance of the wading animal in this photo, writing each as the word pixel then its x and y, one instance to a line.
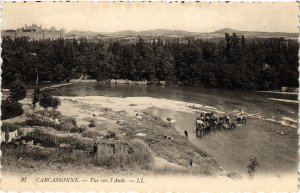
pixel 241 120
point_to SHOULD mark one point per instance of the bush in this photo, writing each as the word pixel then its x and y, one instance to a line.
pixel 110 135
pixel 68 120
pixel 66 127
pixel 93 133
pixel 139 157
pixel 10 109
pixel 9 127
pixel 66 155
pixel 68 124
pixel 49 137
pixel 112 161
pixel 36 154
pixel 78 142
pixel 36 121
pixel 17 90
pixel 141 154
pixel 17 152
pixel 51 114
pixel 76 130
pixel 46 101
pixel 80 129
pixel 54 155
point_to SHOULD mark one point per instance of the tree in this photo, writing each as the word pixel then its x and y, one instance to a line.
pixel 17 90
pixel 10 108
pixel 47 101
pixel 36 96
pixel 55 102
pixel 233 62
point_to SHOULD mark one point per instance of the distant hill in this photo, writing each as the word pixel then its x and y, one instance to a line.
pixel 253 34
pixel 166 32
pixel 181 33
pixel 82 33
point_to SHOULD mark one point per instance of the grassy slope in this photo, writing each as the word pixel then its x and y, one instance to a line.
pixel 176 150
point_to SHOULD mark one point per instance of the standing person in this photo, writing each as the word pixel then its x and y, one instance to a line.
pixel 191 162
pixel 186 134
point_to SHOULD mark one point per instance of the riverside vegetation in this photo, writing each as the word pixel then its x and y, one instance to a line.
pixel 233 62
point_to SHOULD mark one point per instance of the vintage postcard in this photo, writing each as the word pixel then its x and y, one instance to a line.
pixel 149 97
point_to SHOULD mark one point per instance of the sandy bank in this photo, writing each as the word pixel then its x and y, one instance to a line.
pixel 279 92
pixel 285 100
pixel 134 104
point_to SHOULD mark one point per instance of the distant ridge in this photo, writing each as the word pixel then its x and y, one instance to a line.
pixel 181 33
pixel 225 30
pixel 252 34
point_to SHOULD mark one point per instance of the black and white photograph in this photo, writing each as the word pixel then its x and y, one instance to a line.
pixel 149 96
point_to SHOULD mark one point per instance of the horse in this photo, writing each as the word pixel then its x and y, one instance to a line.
pixel 232 126
pixel 219 125
pixel 241 120
pixel 200 127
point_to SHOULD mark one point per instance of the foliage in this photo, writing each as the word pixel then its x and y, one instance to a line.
pixel 9 127
pixel 36 121
pixel 93 133
pixel 55 155
pixel 55 114
pixel 17 90
pixel 55 102
pixel 10 109
pixel 50 138
pixel 36 96
pixel 46 101
pixel 141 153
pixel 68 120
pixel 233 61
pixel 140 157
pixel 65 124
pixel 80 129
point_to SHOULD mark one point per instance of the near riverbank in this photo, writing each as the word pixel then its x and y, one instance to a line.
pixel 171 152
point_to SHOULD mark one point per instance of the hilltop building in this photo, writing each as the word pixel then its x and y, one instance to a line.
pixel 34 32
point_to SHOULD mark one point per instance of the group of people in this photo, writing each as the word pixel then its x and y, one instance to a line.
pixel 208 122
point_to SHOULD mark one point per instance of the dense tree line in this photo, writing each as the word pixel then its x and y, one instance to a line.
pixel 233 62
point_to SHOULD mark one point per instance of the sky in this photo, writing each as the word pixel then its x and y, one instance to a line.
pixel 139 16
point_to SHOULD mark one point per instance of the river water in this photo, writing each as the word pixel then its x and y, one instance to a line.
pixel 270 134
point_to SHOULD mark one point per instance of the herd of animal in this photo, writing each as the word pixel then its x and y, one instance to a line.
pixel 209 122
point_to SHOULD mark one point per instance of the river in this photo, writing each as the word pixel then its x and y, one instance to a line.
pixel 270 134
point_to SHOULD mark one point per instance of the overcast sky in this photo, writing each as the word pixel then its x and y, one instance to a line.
pixel 195 17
